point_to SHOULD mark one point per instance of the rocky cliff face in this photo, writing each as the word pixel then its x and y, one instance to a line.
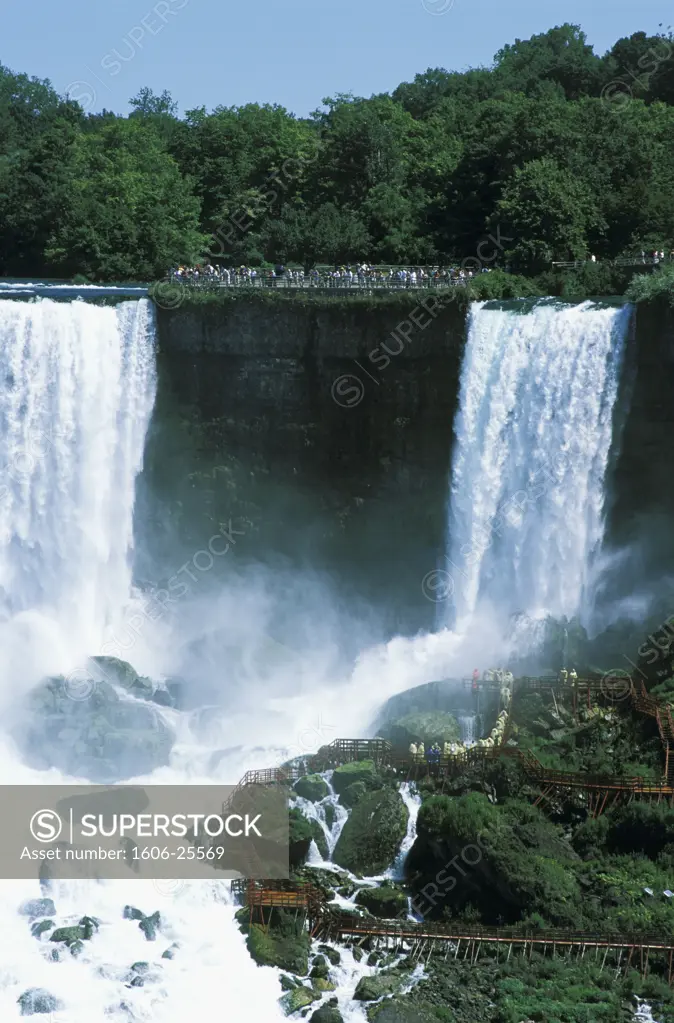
pixel 641 495
pixel 325 431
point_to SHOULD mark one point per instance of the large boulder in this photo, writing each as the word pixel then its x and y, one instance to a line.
pixel 422 726
pixel 385 901
pixel 298 998
pixel 397 1010
pixel 369 989
pixel 327 1014
pixel 312 787
pixel 372 835
pixel 91 731
pixel 364 771
pixel 284 944
pixel 121 673
pixel 301 834
pixel 36 1000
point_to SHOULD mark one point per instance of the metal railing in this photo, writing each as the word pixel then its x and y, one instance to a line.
pixel 319 283
pixel 644 260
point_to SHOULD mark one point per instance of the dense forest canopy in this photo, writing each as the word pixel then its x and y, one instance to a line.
pixel 560 152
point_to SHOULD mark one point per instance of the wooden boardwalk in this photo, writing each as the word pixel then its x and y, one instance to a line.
pixel 596 793
pixel 428 938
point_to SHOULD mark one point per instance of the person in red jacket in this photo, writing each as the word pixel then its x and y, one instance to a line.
pixel 476 677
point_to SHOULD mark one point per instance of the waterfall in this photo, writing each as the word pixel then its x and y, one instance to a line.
pixel 467 726
pixel 77 387
pixel 533 439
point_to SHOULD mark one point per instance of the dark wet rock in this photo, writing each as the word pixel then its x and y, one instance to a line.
pixel 35 908
pixel 372 836
pixel 298 998
pixel 327 1014
pixel 331 954
pixel 352 794
pixel 284 943
pixel 322 984
pixel 149 925
pixel 131 913
pixel 68 935
pixel 137 981
pixel 422 726
pixel 36 1000
pixel 330 814
pixel 76 948
pixel 89 925
pixel 40 927
pixel 302 832
pixel 399 1011
pixel 140 967
pixel 320 968
pixel 312 787
pixel 364 771
pixel 287 982
pixel 370 989
pixel 386 901
pixel 357 953
pixel 170 952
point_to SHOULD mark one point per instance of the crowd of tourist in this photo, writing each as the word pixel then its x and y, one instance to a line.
pixel 358 275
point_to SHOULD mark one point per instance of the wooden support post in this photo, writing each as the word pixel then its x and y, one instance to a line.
pixel 669 971
pixel 456 950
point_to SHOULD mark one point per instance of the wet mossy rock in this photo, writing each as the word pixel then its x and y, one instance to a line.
pixel 422 726
pixel 91 731
pixel 352 794
pixel 369 989
pixel 386 901
pixel 364 771
pixel 68 935
pixel 327 1014
pixel 298 998
pixel 331 954
pixel 399 1011
pixel 301 834
pixel 372 835
pixel 284 945
pixel 312 787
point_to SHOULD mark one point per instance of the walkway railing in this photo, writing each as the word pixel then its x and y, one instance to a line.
pixel 576 264
pixel 327 923
pixel 321 283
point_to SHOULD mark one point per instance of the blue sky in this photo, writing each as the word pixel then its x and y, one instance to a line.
pixel 293 52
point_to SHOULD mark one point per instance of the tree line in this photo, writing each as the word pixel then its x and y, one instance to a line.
pixel 558 152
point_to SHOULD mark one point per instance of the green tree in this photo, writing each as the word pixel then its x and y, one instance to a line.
pixel 549 212
pixel 131 215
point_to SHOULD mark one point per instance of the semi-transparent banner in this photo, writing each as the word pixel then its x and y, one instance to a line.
pixel 154 831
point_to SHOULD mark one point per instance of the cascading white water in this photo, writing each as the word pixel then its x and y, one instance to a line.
pixel 533 438
pixel 467 726
pixel 77 387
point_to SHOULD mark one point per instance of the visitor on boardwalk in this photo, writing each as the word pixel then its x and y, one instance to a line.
pixel 360 276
